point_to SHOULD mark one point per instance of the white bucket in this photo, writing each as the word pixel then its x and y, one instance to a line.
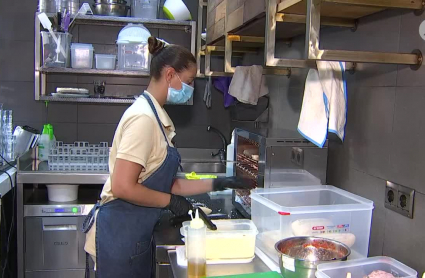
pixel 62 192
pixel 176 10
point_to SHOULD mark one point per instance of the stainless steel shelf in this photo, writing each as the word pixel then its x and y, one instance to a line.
pixel 120 21
pixel 133 73
pixel 88 100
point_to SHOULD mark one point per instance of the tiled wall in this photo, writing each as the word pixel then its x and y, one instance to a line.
pixel 85 122
pixel 384 135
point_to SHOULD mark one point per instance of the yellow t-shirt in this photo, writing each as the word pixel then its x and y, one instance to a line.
pixel 139 139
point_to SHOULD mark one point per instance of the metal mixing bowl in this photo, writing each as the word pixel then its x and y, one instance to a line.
pixel 122 2
pixel 299 256
pixel 110 9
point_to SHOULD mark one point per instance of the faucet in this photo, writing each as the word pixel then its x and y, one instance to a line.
pixel 221 152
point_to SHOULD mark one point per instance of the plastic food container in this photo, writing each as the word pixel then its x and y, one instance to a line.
pixel 81 56
pixel 233 239
pixel 292 177
pixel 104 61
pixel 320 211
pixel 362 267
pixel 55 56
pixel 144 8
pixel 62 192
pixel 133 50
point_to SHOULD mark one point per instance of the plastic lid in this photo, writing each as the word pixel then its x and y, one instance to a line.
pixel 197 223
pixel 308 199
pixel 81 45
pixel 133 33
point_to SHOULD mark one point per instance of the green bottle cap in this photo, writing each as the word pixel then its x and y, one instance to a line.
pixel 45 129
pixel 50 127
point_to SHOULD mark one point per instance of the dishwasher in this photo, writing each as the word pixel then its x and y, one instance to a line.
pixel 54 242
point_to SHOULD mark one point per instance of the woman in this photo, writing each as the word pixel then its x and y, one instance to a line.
pixel 143 166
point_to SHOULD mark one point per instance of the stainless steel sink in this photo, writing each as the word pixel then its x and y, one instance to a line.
pixel 203 167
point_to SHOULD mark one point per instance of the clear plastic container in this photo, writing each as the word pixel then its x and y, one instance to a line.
pixel 54 56
pixel 362 267
pixel 233 239
pixel 81 56
pixel 104 61
pixel 133 50
pixel 292 177
pixel 144 8
pixel 322 211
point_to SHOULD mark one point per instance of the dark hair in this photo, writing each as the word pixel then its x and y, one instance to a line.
pixel 175 56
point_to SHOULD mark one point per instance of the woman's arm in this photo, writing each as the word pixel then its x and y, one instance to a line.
pixel 184 187
pixel 124 183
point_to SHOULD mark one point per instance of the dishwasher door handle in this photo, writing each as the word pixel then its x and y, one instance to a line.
pixel 64 227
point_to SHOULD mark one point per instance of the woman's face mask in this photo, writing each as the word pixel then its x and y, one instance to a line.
pixel 179 96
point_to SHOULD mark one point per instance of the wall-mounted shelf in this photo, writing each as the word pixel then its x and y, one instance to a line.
pixel 249 22
pixel 88 100
pixel 41 72
pixel 124 73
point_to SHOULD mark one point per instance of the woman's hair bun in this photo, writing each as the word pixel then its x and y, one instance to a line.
pixel 155 45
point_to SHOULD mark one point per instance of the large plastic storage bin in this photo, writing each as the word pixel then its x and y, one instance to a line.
pixel 363 267
pixel 233 239
pixel 322 211
pixel 292 177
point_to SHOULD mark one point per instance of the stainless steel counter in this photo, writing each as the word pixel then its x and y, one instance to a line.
pixel 256 266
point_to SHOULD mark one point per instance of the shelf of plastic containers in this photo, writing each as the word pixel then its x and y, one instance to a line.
pixel 322 210
pixel 134 73
pixel 88 100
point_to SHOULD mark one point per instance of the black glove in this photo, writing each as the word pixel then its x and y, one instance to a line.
pixel 221 184
pixel 179 206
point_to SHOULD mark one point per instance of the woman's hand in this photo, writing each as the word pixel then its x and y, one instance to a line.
pixel 221 184
pixel 179 205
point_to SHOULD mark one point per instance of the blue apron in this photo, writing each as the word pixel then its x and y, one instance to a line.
pixel 125 245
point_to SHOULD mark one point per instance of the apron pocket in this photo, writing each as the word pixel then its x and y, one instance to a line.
pixel 141 261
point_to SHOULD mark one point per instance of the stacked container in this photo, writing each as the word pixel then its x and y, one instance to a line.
pixel 133 48
pixel 322 211
pixel 81 56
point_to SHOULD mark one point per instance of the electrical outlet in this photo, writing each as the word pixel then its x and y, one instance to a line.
pixel 399 198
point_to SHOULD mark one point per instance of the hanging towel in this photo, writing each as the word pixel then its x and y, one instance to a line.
pixel 324 105
pixel 248 84
pixel 222 84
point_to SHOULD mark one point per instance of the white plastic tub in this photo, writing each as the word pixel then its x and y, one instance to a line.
pixel 81 56
pixel 363 267
pixel 322 211
pixel 104 61
pixel 62 192
pixel 233 239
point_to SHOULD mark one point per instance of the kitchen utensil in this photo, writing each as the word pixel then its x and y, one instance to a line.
pixel 66 21
pixel 51 53
pixel 99 88
pixel 25 138
pixel 176 10
pixel 47 24
pixel 299 256
pixel 110 9
pixel 121 2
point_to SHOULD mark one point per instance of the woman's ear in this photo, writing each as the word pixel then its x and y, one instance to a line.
pixel 169 74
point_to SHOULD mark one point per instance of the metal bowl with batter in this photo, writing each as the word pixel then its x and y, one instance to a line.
pixel 299 256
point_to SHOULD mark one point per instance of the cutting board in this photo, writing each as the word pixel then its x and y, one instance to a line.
pixel 271 274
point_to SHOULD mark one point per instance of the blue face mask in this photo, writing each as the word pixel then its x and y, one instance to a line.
pixel 179 96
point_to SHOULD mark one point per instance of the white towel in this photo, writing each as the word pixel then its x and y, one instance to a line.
pixel 248 84
pixel 324 105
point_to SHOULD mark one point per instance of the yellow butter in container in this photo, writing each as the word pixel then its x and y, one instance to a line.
pixel 233 239
pixel 194 176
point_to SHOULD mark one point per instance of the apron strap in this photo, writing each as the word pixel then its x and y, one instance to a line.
pixel 156 115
